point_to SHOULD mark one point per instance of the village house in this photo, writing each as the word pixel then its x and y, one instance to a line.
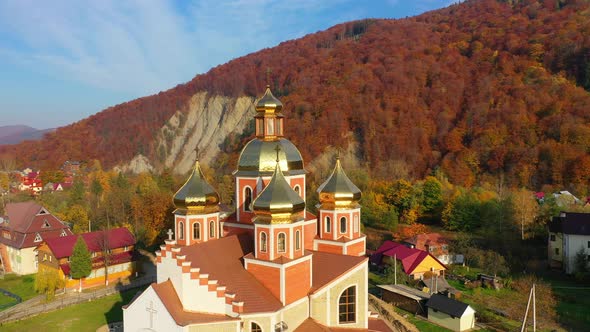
pixel 415 263
pixel 116 245
pixel 569 233
pixel 22 229
pixel 270 266
pixel 450 313
pixel 433 243
pixel 31 181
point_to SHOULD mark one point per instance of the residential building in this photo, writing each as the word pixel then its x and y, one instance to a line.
pixel 434 243
pixel 266 267
pixel 31 181
pixel 24 227
pixel 115 246
pixel 450 313
pixel 415 262
pixel 569 233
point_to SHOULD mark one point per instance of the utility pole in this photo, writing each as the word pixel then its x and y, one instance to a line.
pixel 395 269
pixel 531 297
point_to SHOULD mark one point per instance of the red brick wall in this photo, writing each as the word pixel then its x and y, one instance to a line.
pixel 310 233
pixel 330 248
pixel 184 240
pixel 260 254
pixel 243 215
pixel 297 281
pixel 268 276
pixel 357 249
pixel 301 183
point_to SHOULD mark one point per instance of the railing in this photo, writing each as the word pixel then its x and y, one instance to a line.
pixel 68 299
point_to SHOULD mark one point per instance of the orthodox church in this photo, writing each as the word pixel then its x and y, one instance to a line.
pixel 269 266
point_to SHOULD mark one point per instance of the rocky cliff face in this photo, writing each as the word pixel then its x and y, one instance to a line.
pixel 206 124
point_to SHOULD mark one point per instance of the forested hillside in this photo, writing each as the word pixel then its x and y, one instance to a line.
pixel 482 89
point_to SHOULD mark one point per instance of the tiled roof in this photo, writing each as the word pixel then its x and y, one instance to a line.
pixel 327 267
pixel 95 241
pixel 447 305
pixel 167 295
pixel 222 260
pixel 429 239
pixel 25 222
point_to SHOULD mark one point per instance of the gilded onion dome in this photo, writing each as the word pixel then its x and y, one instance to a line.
pixel 338 190
pixel 196 195
pixel 259 158
pixel 269 103
pixel 278 202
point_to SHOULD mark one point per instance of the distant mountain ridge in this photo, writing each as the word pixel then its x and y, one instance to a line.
pixel 480 90
pixel 17 133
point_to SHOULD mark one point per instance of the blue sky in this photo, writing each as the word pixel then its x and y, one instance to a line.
pixel 61 61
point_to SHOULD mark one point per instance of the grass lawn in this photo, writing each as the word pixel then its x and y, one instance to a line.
pixel 81 317
pixel 573 300
pixel 23 286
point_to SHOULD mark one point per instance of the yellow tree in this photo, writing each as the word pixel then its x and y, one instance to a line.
pixel 78 217
pixel 526 210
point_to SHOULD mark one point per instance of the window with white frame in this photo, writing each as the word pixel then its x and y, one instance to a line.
pixel 328 225
pixel 343 225
pixel 281 242
pixel 263 241
pixel 297 240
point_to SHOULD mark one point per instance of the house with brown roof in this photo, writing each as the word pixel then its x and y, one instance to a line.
pixel 23 228
pixel 433 243
pixel 269 266
pixel 112 256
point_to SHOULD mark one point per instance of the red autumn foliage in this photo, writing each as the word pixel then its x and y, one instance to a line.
pixel 479 88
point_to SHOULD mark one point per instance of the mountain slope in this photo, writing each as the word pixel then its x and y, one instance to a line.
pixel 481 89
pixel 18 133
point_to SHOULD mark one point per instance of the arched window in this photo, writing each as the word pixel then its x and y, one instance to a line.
pixel 196 231
pixel 181 230
pixel 356 224
pixel 255 327
pixel 297 240
pixel 212 229
pixel 263 241
pixel 248 199
pixel 347 306
pixel 343 225
pixel 297 189
pixel 328 225
pixel 281 242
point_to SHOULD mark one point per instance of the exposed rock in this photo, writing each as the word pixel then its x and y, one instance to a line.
pixel 139 164
pixel 206 125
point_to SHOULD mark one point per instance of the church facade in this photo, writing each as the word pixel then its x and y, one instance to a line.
pixel 269 266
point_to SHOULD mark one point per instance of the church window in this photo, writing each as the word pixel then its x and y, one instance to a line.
pixel 196 231
pixel 281 242
pixel 297 189
pixel 212 229
pixel 347 306
pixel 356 224
pixel 297 240
pixel 328 225
pixel 181 230
pixel 38 238
pixel 278 126
pixel 255 327
pixel 248 199
pixel 270 127
pixel 343 225
pixel 263 241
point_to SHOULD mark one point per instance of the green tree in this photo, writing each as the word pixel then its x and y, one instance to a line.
pixel 78 192
pixel 402 195
pixel 462 213
pixel 581 264
pixel 80 261
pixel 48 281
pixel 431 195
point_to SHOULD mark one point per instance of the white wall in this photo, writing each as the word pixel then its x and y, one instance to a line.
pixel 137 318
pixel 22 261
pixel 572 244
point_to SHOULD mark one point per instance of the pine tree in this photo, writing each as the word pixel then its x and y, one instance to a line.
pixel 80 261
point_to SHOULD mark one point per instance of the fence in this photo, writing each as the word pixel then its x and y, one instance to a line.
pixel 25 310
pixel 386 311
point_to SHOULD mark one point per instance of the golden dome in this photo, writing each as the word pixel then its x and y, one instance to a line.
pixel 278 202
pixel 196 195
pixel 269 103
pixel 338 190
pixel 259 158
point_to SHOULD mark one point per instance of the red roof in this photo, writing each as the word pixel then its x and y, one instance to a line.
pixel 430 240
pixel 409 257
pixel 27 219
pixel 96 241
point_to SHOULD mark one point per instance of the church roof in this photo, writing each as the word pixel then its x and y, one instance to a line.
pixel 221 259
pixel 196 193
pixel 259 158
pixel 278 196
pixel 268 102
pixel 169 298
pixel 338 188
pixel 328 267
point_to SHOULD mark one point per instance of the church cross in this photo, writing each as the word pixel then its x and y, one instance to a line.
pixel 169 234
pixel 152 311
